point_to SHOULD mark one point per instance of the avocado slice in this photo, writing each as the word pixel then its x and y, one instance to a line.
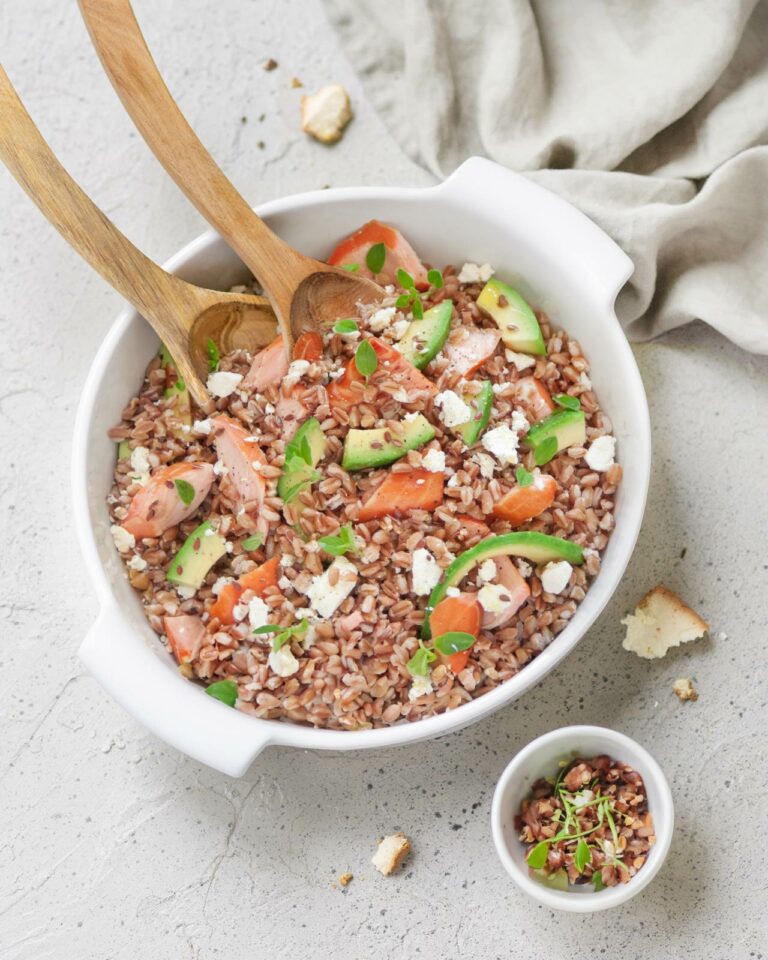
pixel 424 338
pixel 177 393
pixel 365 449
pixel 557 880
pixel 560 430
pixel 202 548
pixel 302 454
pixel 123 450
pixel 480 404
pixel 539 548
pixel 519 327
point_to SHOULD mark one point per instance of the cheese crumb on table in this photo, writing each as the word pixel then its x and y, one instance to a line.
pixel 344 879
pixel 222 383
pixel 661 621
pixel 391 852
pixel 685 690
pixel 325 114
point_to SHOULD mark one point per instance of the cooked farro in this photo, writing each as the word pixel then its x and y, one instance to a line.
pixel 359 665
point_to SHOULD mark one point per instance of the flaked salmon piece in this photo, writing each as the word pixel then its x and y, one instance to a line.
pixel 468 353
pixel 269 367
pixel 525 503
pixel 400 255
pixel 185 636
pixel 241 459
pixel 164 501
pixel 533 393
pixel 397 368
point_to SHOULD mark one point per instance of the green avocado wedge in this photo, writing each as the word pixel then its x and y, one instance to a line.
pixel 123 450
pixel 560 430
pixel 177 394
pixel 539 548
pixel 519 327
pixel 480 404
pixel 366 449
pixel 202 548
pixel 424 338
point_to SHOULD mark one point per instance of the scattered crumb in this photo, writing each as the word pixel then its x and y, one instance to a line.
pixel 296 83
pixel 270 64
pixel 344 879
pixel 721 636
pixel 683 553
pixel 685 690
pixel 660 621
pixel 391 852
pixel 260 144
pixel 325 114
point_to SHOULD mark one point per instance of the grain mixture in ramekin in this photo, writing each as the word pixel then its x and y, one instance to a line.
pixel 386 525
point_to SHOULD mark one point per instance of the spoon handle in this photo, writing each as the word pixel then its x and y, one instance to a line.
pixel 127 61
pixel 155 293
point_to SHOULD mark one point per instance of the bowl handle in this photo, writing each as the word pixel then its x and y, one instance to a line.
pixel 585 247
pixel 132 669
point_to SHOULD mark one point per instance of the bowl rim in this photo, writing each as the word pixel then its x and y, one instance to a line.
pixel 281 732
pixel 663 817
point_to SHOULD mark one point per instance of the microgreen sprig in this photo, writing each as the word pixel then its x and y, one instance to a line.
pixel 340 543
pixel 213 355
pixel 283 634
pixel 418 665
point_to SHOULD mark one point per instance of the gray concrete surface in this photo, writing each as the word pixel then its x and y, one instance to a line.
pixel 114 846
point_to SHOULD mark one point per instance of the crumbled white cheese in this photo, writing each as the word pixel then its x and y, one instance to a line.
pixel 287 560
pixel 337 374
pixel 425 572
pixel 381 319
pixel 522 361
pixel 476 273
pixel 220 584
pixel 585 381
pixel 239 611
pixel 283 662
pixel 284 583
pixel 140 460
pixel 486 571
pixel 185 592
pixel 398 328
pixel 413 415
pixel 524 568
pixel 124 541
pixel 600 454
pixel 582 799
pixel 502 443
pixel 453 592
pixel 420 687
pixel 434 461
pixel 296 370
pixel 219 469
pixel 324 598
pixel 202 427
pixel 493 597
pixel 453 410
pixel 137 563
pixel 269 408
pixel 555 576
pixel 519 421
pixel 486 464
pixel 222 383
pixel 258 613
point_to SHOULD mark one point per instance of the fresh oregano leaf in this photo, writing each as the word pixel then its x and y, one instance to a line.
pixel 375 258
pixel 366 360
pixel 567 402
pixel 545 451
pixel 453 642
pixel 224 690
pixel 185 491
pixel 524 477
pixel 253 542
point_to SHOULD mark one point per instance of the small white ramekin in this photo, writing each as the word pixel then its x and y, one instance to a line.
pixel 539 759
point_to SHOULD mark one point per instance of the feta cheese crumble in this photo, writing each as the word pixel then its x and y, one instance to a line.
pixel 420 687
pixel 219 469
pixel 453 410
pixel 493 597
pixel 476 273
pixel 486 464
pixel 519 421
pixel 296 370
pixel 398 328
pixel 185 591
pixel 381 319
pixel 326 599
pixel 137 563
pixel 521 361
pixel 601 453
pixel 222 383
pixel 202 427
pixel 220 584
pixel 524 568
pixel 124 541
pixel 140 460
pixel 453 592
pixel 283 662
pixel 555 576
pixel 425 572
pixel 258 613
pixel 434 461
pixel 502 443
pixel 486 571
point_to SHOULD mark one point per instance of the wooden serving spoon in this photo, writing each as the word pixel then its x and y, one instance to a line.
pixel 183 316
pixel 305 293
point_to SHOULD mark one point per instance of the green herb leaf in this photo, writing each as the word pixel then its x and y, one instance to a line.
pixel 417 309
pixel 347 325
pixel 253 542
pixel 523 477
pixel 597 880
pixel 567 402
pixel 213 355
pixel 180 385
pixel 418 665
pixel 402 301
pixel 538 856
pixel 453 642
pixel 298 631
pixel 185 491
pixel 375 257
pixel 224 690
pixel 582 856
pixel 366 360
pixel 545 451
pixel 296 489
pixel 435 278
pixel 341 543
pixel 404 279
pixel 350 267
pixel 267 628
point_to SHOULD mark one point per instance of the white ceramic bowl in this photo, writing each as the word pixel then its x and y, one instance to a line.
pixel 540 759
pixel 483 213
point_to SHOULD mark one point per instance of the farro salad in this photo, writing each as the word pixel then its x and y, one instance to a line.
pixel 588 824
pixel 388 524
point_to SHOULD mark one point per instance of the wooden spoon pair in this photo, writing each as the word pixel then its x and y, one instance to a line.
pixel 304 293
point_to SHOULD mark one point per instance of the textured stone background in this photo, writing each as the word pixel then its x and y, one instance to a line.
pixel 114 846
